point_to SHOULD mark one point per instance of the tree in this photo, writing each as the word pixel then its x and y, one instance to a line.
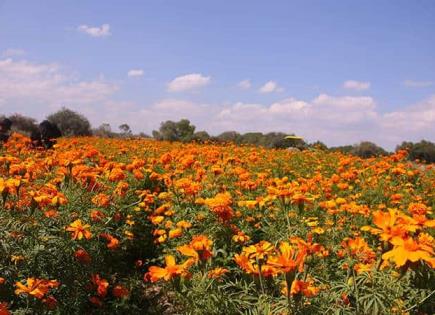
pixel 125 130
pixel 71 123
pixel 254 138
pixel 346 149
pixel 277 140
pixel 319 145
pixel 201 136
pixel 23 124
pixel 175 131
pixel 367 149
pixel 143 135
pixel 423 150
pixel 104 131
pixel 229 136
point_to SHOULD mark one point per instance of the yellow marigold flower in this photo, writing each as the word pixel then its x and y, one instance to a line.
pixel 175 233
pixel 79 230
pixel 167 273
pixel 217 273
pixel 409 249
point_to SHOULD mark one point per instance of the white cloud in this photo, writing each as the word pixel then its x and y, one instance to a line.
pixel 269 87
pixel 417 84
pixel 36 89
pixel 244 85
pixel 95 31
pixel 135 73
pixel 356 85
pixel 32 87
pixel 411 123
pixel 12 52
pixel 188 82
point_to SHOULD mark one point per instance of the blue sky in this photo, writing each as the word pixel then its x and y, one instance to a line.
pixel 338 71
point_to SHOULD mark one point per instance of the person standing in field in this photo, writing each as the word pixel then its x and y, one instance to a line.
pixel 5 129
pixel 46 135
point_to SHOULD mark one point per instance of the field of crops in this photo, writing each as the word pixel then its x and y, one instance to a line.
pixel 116 226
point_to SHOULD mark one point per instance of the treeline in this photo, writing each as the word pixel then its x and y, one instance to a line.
pixel 72 123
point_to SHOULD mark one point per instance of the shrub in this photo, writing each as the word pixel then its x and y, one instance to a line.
pixel 71 123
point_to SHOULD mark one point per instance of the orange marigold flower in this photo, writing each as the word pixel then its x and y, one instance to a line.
pixel 101 285
pixel 411 250
pixel 50 302
pixel 217 273
pixel 170 271
pixel 101 200
pixel 96 301
pixel 4 308
pixel 220 205
pixel 188 251
pixel 35 287
pixel 288 258
pixel 97 215
pixel 120 291
pixel 303 287
pixel 79 230
pixel 175 233
pixel 116 175
pixel 260 250
pixel 82 256
pixel 198 248
pixel 389 225
pixel 184 225
pixel 112 242
pixel 240 237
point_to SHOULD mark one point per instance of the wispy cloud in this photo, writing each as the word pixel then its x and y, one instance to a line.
pixel 187 82
pixel 95 31
pixel 269 87
pixel 135 73
pixel 356 85
pixel 244 85
pixel 12 52
pixel 417 84
pixel 46 85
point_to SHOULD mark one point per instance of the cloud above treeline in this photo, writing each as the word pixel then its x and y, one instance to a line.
pixel 269 87
pixel 356 85
pixel 135 73
pixel 36 89
pixel 95 31
pixel 192 81
pixel 417 84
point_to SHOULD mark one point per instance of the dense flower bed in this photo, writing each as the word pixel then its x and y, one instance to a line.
pixel 140 226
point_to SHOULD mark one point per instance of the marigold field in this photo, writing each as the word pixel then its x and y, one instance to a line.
pixel 118 226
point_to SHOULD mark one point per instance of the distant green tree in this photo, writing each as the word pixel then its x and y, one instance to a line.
pixel 254 138
pixel 423 150
pixel 229 136
pixel 143 135
pixel 319 145
pixel 367 149
pixel 201 136
pixel 125 130
pixel 175 131
pixel 104 131
pixel 71 123
pixel 23 124
pixel 346 149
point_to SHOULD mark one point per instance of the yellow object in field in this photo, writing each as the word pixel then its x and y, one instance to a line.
pixel 293 138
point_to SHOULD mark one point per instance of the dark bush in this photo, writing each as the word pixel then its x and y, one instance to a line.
pixel 423 150
pixel 71 123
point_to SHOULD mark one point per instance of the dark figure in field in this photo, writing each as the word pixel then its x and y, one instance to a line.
pixel 5 129
pixel 46 135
